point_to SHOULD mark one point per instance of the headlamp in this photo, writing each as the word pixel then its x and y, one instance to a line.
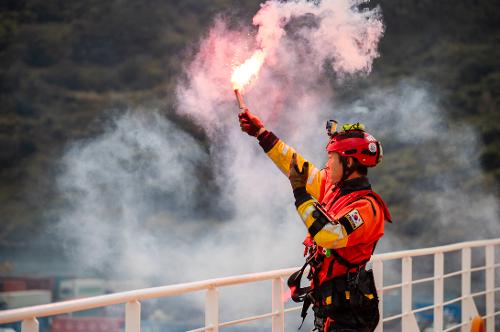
pixel 331 127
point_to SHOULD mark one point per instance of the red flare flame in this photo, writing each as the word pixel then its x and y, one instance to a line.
pixel 248 70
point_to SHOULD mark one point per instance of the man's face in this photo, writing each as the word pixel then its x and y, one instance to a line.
pixel 334 167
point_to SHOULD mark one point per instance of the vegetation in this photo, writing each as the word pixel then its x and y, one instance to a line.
pixel 64 62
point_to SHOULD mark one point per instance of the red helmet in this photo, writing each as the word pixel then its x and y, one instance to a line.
pixel 358 144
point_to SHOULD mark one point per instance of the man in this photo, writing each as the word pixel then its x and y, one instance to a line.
pixel 344 219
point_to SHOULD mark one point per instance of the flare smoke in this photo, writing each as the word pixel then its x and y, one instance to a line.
pixel 135 197
pixel 132 191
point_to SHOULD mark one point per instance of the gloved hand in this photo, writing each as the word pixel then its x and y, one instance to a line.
pixel 250 123
pixel 298 179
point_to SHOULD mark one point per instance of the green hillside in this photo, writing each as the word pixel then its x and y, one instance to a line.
pixel 64 63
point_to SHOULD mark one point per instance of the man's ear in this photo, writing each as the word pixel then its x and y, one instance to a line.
pixel 350 161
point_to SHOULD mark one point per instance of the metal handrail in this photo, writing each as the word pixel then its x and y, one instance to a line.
pixel 57 308
pixel 132 298
pixel 433 250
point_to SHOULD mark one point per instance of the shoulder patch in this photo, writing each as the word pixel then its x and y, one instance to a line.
pixel 354 219
pixel 351 221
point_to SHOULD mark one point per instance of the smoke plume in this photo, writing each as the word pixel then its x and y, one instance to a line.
pixel 301 40
pixel 136 194
pixel 449 198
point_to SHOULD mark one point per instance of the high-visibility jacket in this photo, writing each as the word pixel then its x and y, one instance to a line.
pixel 358 211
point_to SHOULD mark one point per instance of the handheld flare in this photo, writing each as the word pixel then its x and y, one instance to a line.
pixel 245 73
pixel 239 98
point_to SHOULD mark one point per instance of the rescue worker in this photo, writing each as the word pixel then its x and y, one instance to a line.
pixel 344 219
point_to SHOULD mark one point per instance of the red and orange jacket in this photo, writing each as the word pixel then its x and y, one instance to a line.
pixel 357 211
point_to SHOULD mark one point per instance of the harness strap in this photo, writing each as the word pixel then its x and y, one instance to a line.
pixel 307 303
pixel 345 262
pixel 305 294
pixel 330 268
pixel 298 293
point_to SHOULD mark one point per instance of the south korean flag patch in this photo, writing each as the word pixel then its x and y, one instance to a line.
pixel 354 219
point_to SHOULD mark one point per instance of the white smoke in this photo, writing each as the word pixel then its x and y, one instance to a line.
pixel 137 194
pixel 134 190
pixel 336 32
pixel 301 40
pixel 132 195
pixel 450 199
pixel 118 185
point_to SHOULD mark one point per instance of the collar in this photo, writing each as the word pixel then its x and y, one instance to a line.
pixel 349 186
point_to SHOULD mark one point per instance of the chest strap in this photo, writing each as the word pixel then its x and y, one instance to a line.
pixel 345 262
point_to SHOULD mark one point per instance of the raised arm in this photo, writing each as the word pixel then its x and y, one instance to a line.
pixel 279 152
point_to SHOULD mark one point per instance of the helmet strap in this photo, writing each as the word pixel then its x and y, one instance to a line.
pixel 346 169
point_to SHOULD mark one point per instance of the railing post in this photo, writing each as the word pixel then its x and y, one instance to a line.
pixel 469 310
pixel 408 321
pixel 278 306
pixel 490 285
pixel 438 291
pixel 466 282
pixel 133 317
pixel 212 310
pixel 30 325
pixel 378 274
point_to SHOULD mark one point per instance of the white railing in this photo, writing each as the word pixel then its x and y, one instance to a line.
pixel 132 299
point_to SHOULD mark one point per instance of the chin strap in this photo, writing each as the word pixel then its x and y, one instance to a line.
pixel 346 170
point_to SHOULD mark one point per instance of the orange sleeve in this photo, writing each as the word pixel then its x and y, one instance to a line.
pixel 363 221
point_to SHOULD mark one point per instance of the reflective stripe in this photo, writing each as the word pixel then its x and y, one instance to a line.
pixel 341 243
pixel 307 212
pixel 311 177
pixel 285 149
pixel 335 229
